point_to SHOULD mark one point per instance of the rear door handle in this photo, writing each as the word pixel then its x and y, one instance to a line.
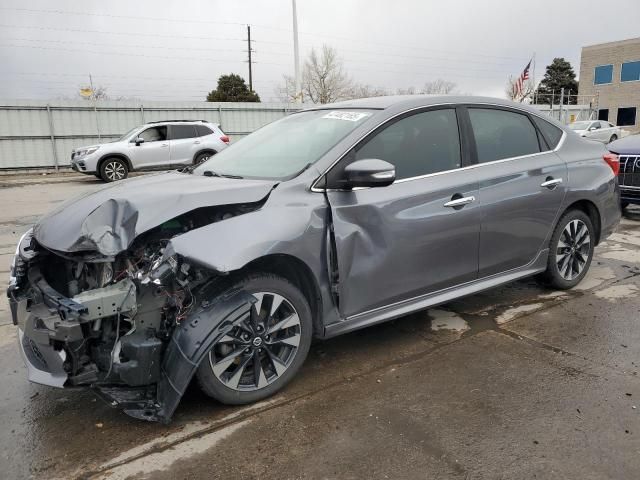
pixel 197 142
pixel 551 183
pixel 460 202
pixel 164 145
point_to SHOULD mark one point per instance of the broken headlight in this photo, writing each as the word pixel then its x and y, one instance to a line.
pixel 18 266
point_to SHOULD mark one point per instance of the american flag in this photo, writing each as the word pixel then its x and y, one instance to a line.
pixel 519 85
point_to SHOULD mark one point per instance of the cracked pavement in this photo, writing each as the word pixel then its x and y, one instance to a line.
pixel 515 382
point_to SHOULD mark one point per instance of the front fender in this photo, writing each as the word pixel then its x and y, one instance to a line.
pixel 190 343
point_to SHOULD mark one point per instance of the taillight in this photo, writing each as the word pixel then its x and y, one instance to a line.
pixel 225 139
pixel 613 161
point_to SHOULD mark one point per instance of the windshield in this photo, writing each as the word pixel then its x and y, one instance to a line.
pixel 124 137
pixel 579 125
pixel 286 147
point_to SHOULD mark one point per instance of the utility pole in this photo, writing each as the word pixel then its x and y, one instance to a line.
pixel 296 55
pixel 249 52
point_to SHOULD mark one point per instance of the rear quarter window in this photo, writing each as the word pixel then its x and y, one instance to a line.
pixel 550 132
pixel 202 130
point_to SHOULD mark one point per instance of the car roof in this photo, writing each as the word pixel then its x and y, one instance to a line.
pixel 187 122
pixel 416 101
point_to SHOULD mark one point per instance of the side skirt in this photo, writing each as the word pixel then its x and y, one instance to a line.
pixel 390 312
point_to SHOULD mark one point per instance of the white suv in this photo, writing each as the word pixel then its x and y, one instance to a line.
pixel 152 146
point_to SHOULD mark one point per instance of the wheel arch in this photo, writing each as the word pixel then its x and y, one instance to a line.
pixel 298 273
pixel 204 150
pixel 591 210
pixel 107 156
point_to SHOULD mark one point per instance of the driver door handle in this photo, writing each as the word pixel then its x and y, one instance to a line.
pixel 551 183
pixel 460 202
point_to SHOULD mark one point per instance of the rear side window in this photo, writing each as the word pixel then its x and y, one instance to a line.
pixel 502 134
pixel 551 133
pixel 182 131
pixel 202 130
pixel 420 144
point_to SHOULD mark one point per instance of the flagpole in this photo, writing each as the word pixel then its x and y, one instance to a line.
pixel 533 76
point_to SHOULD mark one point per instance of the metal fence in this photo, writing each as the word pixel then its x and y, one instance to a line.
pixel 568 113
pixel 42 134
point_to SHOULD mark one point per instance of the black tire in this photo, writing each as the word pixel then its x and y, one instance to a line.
pixel 97 175
pixel 203 157
pixel 624 205
pixel 575 268
pixel 221 391
pixel 113 169
pixel 613 138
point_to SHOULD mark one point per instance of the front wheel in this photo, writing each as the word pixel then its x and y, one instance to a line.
pixel 570 250
pixel 114 169
pixel 260 354
pixel 613 138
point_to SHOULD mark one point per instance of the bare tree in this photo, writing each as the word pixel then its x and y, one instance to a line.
pixel 323 79
pixel 323 76
pixel 514 95
pixel 406 91
pixel 439 87
pixel 361 90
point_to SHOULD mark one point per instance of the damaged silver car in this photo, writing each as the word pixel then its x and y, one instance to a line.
pixel 326 221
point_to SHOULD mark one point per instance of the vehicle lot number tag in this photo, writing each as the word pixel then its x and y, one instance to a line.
pixel 349 116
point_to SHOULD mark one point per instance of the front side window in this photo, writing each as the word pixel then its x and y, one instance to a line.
pixel 626 116
pixel 630 72
pixel 287 146
pixel 501 134
pixel 179 132
pixel 423 143
pixel 603 74
pixel 154 134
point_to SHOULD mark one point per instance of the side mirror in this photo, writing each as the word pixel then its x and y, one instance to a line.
pixel 369 173
pixel 138 141
pixel 591 129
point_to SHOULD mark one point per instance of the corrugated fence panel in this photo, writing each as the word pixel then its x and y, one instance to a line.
pixel 25 133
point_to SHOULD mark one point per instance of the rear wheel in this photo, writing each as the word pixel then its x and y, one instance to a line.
pixel 262 353
pixel 613 138
pixel 203 157
pixel 114 169
pixel 570 250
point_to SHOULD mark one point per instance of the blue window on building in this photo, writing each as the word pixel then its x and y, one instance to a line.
pixel 630 72
pixel 603 74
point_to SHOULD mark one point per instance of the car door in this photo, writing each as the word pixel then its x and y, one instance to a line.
pixel 183 142
pixel 153 151
pixel 522 184
pixel 416 236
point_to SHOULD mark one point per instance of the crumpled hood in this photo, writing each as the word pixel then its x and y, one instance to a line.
pixel 626 146
pixel 109 219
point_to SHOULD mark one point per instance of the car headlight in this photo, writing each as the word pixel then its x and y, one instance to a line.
pixel 85 152
pixel 16 262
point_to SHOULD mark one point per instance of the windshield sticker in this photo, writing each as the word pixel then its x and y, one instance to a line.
pixel 349 116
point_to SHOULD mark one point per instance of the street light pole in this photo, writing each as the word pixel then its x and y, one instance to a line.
pixel 296 55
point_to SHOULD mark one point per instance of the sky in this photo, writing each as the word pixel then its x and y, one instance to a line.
pixel 176 50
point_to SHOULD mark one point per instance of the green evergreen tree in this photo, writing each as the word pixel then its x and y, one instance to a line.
pixel 232 88
pixel 558 75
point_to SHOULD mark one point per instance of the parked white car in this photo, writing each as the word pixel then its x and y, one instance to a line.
pixel 152 146
pixel 599 130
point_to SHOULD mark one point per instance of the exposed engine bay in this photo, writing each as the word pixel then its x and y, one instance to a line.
pixel 87 319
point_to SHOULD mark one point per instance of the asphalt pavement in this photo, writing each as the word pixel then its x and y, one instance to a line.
pixel 518 382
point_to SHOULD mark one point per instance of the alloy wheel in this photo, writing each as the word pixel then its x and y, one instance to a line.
pixel 573 249
pixel 115 171
pixel 260 346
